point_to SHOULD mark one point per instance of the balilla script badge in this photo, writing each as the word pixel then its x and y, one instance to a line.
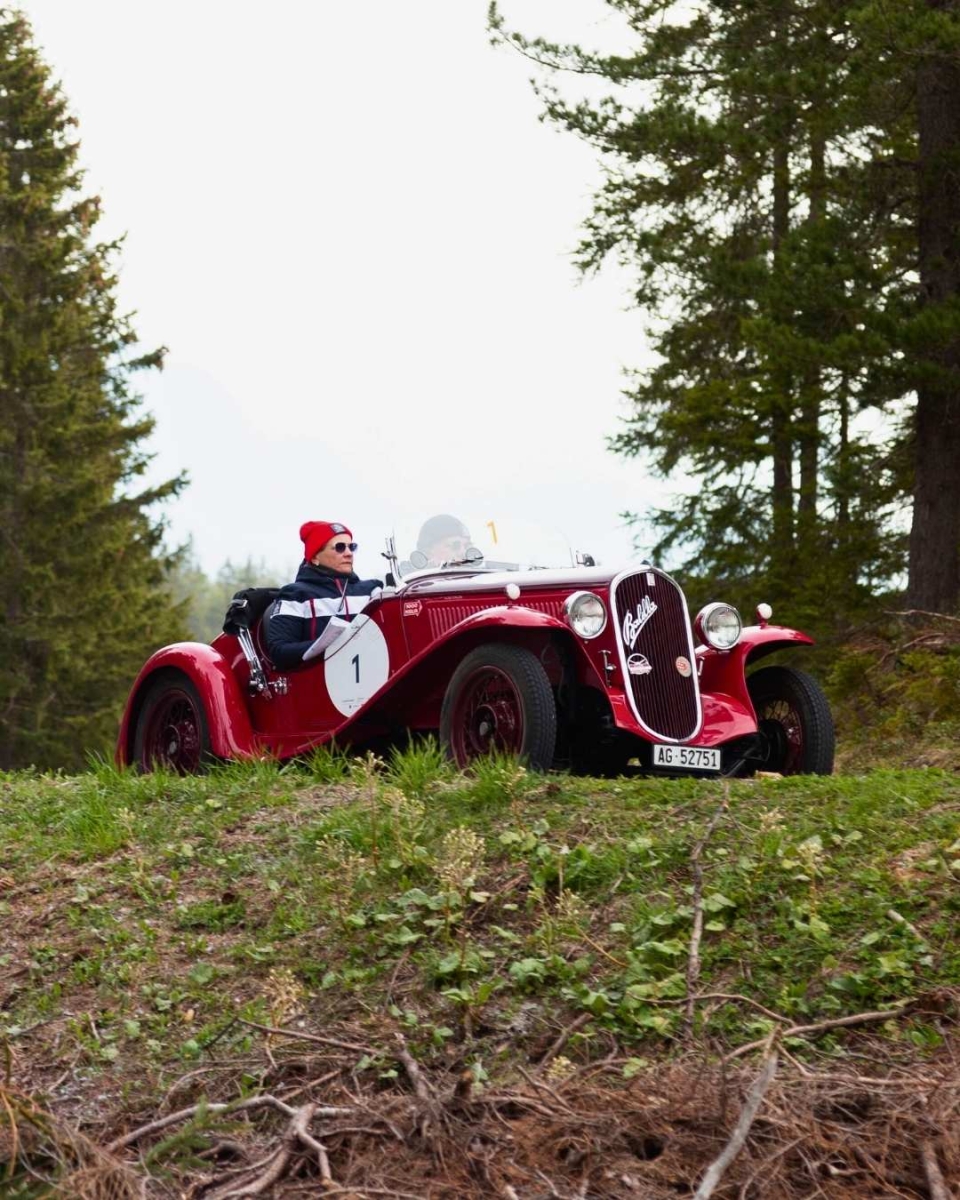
pixel 633 624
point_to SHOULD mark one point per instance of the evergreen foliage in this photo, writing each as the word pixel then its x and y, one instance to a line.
pixel 762 187
pixel 82 566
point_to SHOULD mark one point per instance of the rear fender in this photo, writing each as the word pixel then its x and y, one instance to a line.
pixel 726 670
pixel 228 720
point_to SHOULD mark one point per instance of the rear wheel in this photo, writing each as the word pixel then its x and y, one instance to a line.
pixel 794 721
pixel 172 730
pixel 500 699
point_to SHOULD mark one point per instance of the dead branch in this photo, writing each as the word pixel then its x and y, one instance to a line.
pixel 195 1110
pixel 714 1172
pixel 931 1168
pixel 921 612
pixel 899 919
pixel 352 1193
pixel 726 996
pixel 863 1018
pixel 298 1126
pixel 544 1087
pixel 296 1134
pixel 308 1037
pixel 584 1019
pixel 693 958
pixel 276 1168
pixel 412 1070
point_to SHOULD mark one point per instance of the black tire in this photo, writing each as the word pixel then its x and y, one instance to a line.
pixel 499 699
pixel 794 720
pixel 172 729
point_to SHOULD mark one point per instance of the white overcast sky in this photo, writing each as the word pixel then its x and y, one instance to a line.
pixel 352 232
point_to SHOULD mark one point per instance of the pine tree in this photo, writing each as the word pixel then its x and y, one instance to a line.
pixel 743 193
pixel 82 600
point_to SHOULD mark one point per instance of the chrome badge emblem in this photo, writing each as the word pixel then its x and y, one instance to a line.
pixel 637 664
pixel 683 666
pixel 633 624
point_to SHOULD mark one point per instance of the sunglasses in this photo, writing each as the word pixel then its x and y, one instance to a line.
pixel 341 546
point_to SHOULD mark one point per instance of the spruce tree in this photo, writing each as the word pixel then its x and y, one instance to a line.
pixel 742 193
pixel 82 599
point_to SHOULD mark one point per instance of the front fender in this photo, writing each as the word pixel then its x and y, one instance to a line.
pixel 725 671
pixel 228 719
pixel 506 614
pixel 412 695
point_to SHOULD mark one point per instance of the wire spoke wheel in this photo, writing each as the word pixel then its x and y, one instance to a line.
pixel 499 700
pixel 781 726
pixel 488 715
pixel 172 729
pixel 794 722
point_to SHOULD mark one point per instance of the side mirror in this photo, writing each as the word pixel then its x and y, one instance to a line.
pixel 418 560
pixel 472 554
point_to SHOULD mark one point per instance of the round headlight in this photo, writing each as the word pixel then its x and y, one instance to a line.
pixel 719 626
pixel 586 614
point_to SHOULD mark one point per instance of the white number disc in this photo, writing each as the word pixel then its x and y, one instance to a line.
pixel 356 665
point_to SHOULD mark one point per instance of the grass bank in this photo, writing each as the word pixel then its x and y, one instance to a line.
pixel 157 929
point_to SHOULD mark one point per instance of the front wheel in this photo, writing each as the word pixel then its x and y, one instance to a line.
pixel 499 699
pixel 794 721
pixel 172 731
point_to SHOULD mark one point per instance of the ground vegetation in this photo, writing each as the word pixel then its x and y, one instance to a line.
pixel 397 980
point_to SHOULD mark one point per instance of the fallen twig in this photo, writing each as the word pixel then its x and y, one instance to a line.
pixel 296 1134
pixel 693 958
pixel 184 1114
pixel 714 1172
pixel 726 996
pixel 863 1018
pixel 299 1127
pixel 584 1019
pixel 931 1168
pixel 412 1070
pixel 899 919
pixel 308 1037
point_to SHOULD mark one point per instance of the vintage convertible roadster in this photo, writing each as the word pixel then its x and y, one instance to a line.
pixel 580 667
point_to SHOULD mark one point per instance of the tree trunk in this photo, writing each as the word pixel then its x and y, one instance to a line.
pixel 808 433
pixel 781 434
pixel 934 580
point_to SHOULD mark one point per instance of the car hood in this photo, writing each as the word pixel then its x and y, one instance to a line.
pixel 439 583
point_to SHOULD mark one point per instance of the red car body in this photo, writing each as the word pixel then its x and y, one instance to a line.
pixel 392 672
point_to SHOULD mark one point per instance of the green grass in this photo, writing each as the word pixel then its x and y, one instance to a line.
pixel 145 913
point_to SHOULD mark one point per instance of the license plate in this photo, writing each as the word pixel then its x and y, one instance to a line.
pixel 686 758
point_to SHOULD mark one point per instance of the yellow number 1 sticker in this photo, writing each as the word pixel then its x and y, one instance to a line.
pixel 492 526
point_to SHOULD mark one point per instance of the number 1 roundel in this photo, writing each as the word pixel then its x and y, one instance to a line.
pixel 356 665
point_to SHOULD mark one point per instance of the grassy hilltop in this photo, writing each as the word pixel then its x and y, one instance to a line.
pixel 547 942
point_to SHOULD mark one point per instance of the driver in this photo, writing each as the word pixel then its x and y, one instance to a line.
pixel 443 539
pixel 326 587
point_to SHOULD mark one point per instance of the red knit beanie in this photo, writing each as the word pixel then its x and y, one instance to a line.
pixel 316 534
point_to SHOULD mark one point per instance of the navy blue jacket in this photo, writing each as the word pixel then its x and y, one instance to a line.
pixel 301 612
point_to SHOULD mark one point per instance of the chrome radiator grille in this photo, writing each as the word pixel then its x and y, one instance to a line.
pixel 656 653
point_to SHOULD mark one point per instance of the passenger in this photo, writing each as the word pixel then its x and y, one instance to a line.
pixel 443 539
pixel 325 588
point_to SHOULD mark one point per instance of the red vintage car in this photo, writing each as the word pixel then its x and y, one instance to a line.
pixel 579 666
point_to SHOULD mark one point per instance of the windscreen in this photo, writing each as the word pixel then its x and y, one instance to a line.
pixel 459 539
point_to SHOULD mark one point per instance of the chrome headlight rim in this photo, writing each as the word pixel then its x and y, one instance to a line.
pixel 570 615
pixel 701 625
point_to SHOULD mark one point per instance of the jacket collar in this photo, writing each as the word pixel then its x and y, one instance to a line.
pixel 310 573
